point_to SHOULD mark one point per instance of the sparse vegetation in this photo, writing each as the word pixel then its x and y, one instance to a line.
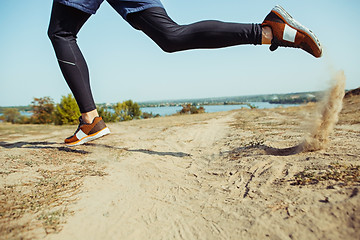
pixel 252 106
pixel 47 196
pixel 191 109
pixel 146 115
pixel 345 174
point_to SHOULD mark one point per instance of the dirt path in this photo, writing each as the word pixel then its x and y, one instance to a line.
pixel 208 176
pixel 152 183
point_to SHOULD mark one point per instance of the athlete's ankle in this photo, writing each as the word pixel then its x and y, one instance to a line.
pixel 88 117
pixel 267 35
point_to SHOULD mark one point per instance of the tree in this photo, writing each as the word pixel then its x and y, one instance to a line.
pixel 43 109
pixel 127 110
pixel 11 115
pixel 107 115
pixel 67 111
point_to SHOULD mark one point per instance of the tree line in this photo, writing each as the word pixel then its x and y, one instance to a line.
pixel 45 111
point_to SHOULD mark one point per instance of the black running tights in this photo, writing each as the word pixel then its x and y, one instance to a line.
pixel 66 22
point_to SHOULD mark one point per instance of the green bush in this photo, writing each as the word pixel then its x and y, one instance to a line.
pixel 67 111
pixel 127 110
pixel 107 115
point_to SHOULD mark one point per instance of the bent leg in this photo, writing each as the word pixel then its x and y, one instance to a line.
pixel 172 37
pixel 65 23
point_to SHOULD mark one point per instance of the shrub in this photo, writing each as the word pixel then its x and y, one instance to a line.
pixel 195 110
pixel 252 106
pixel 43 109
pixel 188 109
pixel 185 109
pixel 24 119
pixel 146 115
pixel 67 111
pixel 11 115
pixel 107 115
pixel 127 110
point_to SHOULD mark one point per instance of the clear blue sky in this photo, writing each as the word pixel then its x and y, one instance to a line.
pixel 125 64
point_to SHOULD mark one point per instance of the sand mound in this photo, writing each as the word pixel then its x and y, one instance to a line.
pixel 353 92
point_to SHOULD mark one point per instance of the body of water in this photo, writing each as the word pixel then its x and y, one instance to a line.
pixel 23 113
pixel 164 111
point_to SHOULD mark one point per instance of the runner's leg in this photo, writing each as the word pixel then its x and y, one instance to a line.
pixel 65 23
pixel 172 37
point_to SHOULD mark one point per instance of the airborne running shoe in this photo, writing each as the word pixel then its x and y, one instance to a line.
pixel 287 32
pixel 88 132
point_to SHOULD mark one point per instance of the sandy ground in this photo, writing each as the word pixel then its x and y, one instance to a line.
pixel 208 176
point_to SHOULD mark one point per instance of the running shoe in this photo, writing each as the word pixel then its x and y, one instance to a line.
pixel 287 32
pixel 87 132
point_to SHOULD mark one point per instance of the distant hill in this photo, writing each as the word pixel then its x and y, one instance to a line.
pixel 288 98
pixel 355 91
pixel 20 108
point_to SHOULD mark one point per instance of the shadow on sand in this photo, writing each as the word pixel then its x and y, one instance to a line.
pixel 146 151
pixel 54 145
pixel 41 145
pixel 269 150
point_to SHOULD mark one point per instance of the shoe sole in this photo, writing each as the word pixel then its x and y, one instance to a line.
pixel 288 19
pixel 89 138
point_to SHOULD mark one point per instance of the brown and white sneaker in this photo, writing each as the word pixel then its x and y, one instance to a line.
pixel 287 32
pixel 88 132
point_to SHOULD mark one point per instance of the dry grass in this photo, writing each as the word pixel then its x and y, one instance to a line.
pixel 259 142
pixel 42 200
pixel 343 175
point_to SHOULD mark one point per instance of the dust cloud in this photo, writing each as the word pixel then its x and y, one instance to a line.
pixel 326 116
pixel 323 122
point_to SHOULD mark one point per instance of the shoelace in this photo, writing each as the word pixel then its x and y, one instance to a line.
pixel 275 43
pixel 80 124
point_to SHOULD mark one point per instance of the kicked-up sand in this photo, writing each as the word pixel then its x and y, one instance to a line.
pixel 208 176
